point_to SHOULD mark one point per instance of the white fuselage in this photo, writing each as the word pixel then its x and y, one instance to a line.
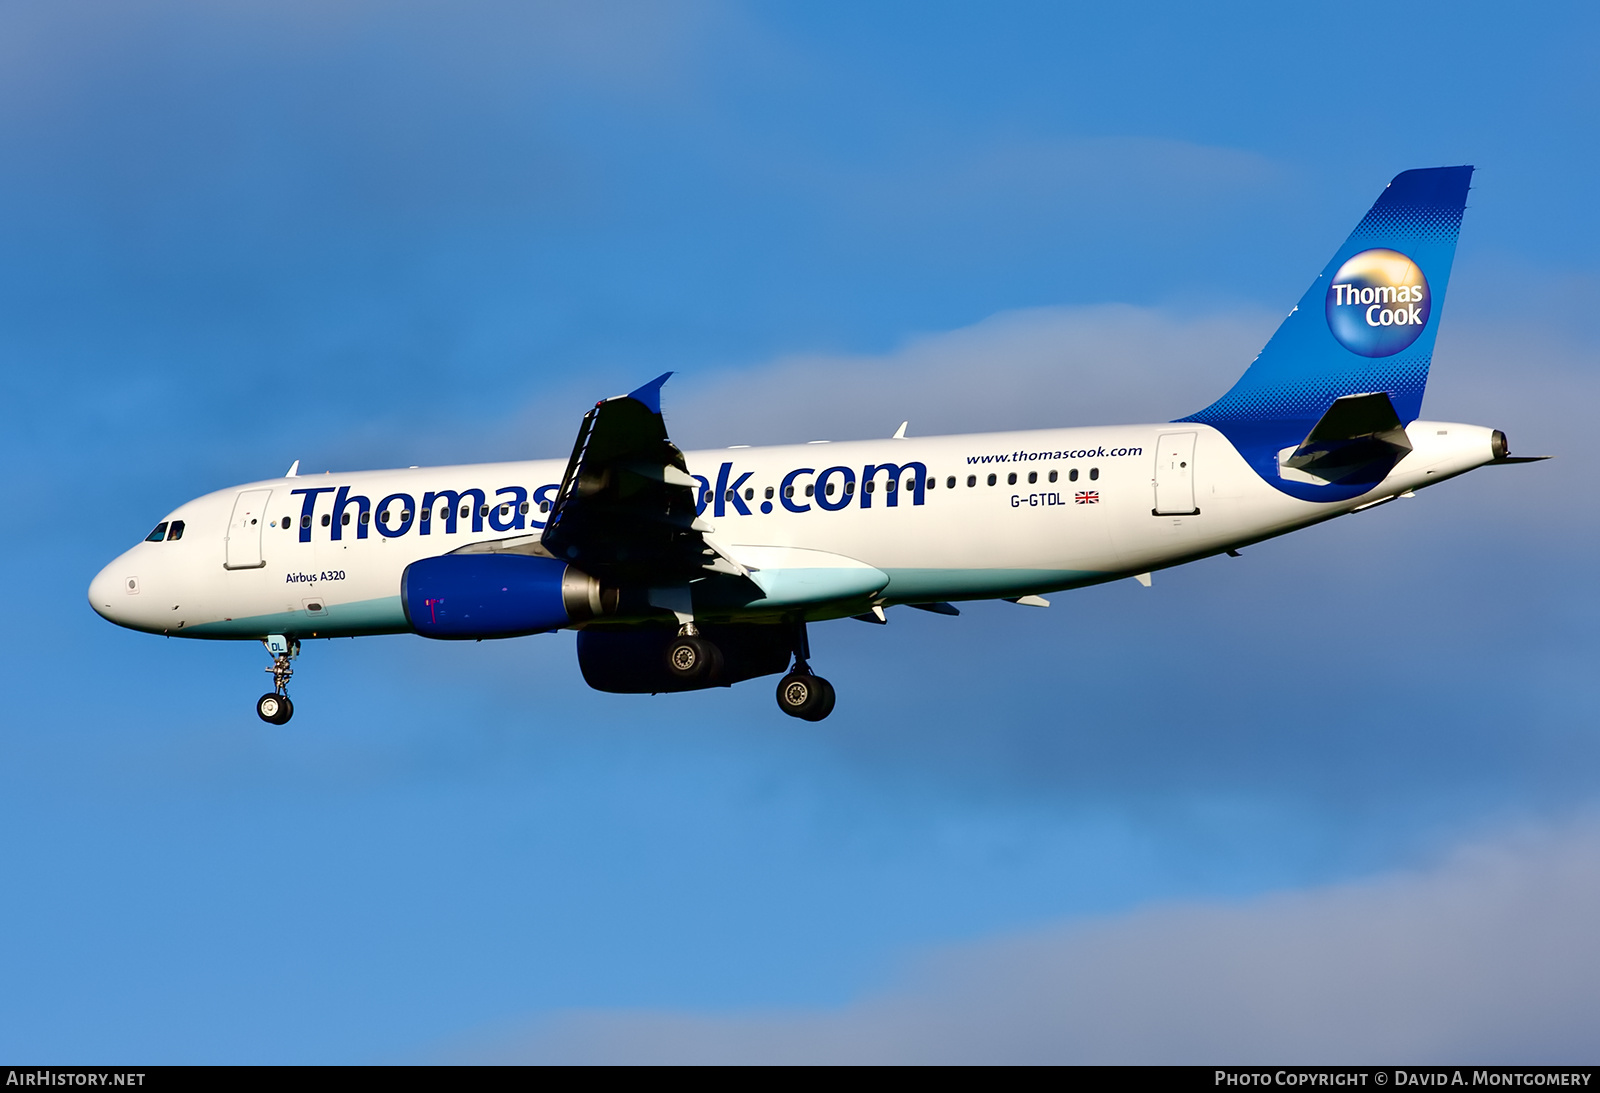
pixel 1084 506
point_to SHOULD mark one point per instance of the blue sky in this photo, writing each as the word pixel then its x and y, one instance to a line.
pixel 370 235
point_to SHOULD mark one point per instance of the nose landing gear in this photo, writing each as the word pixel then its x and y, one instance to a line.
pixel 800 693
pixel 274 707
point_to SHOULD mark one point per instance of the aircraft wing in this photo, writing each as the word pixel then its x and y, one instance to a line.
pixel 626 509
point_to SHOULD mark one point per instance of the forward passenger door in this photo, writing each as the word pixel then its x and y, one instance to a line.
pixel 245 528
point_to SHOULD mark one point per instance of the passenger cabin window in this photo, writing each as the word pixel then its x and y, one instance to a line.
pixel 157 535
pixel 1094 474
pixel 344 519
pixel 366 517
pixel 284 523
pixel 950 483
pixel 749 494
pixel 1072 475
pixel 972 480
pixel 810 490
pixel 326 519
pixel 1052 476
pixel 871 485
pixel 992 480
pixel 769 493
pixel 544 506
pixel 1033 476
pixel 523 508
pixel 305 521
pixel 1011 479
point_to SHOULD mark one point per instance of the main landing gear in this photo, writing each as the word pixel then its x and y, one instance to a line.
pixel 692 658
pixel 697 662
pixel 803 695
pixel 800 693
pixel 274 707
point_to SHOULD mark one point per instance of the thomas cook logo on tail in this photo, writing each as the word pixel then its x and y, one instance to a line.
pixel 1378 303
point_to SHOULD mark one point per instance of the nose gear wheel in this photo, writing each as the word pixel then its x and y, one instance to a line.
pixel 274 708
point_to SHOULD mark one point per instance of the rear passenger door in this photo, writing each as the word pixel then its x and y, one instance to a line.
pixel 1175 475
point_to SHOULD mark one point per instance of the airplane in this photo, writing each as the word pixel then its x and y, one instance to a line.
pixel 682 571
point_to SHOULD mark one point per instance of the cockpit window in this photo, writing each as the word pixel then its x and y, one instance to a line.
pixel 175 531
pixel 158 534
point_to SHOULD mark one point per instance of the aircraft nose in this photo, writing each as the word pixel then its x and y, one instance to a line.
pixel 110 589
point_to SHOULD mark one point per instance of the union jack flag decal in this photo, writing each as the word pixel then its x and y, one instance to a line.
pixel 1086 497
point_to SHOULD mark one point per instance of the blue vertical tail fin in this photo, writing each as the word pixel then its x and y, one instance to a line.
pixel 1367 324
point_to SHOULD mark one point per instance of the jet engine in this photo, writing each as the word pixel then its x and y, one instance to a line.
pixel 498 595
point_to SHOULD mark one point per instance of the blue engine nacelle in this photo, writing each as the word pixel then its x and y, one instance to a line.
pixel 498 595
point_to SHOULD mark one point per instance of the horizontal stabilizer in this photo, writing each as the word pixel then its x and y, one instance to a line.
pixel 1359 439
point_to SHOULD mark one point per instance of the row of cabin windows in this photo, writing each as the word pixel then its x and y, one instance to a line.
pixel 911 483
pixel 849 488
pixel 1033 477
pixel 164 530
pixel 405 514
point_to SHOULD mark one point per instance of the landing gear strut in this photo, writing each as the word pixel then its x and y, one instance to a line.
pixel 274 707
pixel 800 693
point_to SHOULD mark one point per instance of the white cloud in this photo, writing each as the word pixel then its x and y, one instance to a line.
pixel 1490 957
